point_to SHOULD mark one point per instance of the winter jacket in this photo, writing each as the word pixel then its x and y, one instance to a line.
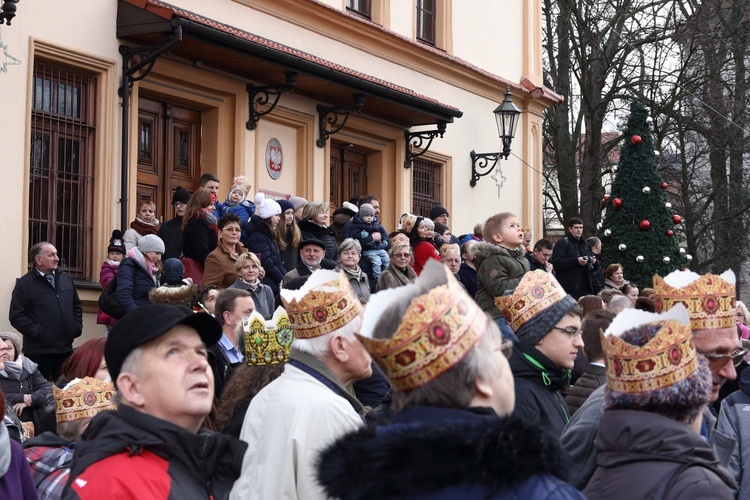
pixel 199 239
pixel 468 276
pixel 591 380
pixel 444 453
pixel 325 234
pixel 393 277
pixel 263 244
pixel 49 457
pixel 361 231
pixel 424 251
pixel 171 234
pixel 175 295
pixel 106 275
pixel 17 380
pixel 262 297
pixel 734 420
pixel 640 451
pixel 359 282
pixel 576 279
pixel 130 454
pixel 538 384
pixel 340 218
pixel 133 284
pixel 244 210
pixel 48 318
pixel 15 476
pixel 219 267
pixel 578 438
pixel 498 269
pixel 533 263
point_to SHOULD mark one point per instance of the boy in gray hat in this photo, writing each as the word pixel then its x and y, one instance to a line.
pixel 366 229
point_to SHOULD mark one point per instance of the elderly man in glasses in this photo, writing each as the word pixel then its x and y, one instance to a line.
pixel 547 322
pixel 710 301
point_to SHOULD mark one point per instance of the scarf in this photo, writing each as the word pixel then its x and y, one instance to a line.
pixel 150 267
pixel 251 286
pixel 209 216
pixel 143 228
pixel 115 263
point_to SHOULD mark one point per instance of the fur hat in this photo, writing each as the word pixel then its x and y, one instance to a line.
pixel 265 207
pixel 172 272
pixel 298 202
pixel 240 183
pixel 15 339
pixel 535 306
pixel 437 211
pixel 115 242
pixel 652 365
pixel 151 243
pixel 181 195
pixel 285 205
pixel 366 209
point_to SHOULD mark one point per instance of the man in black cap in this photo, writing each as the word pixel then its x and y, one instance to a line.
pixel 439 214
pixel 312 251
pixel 171 231
pixel 152 446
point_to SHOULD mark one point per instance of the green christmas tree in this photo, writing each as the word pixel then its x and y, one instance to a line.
pixel 639 229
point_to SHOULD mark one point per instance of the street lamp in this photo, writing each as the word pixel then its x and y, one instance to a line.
pixel 506 116
pixel 8 11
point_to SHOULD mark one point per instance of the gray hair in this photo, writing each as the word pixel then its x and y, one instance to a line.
pixel 320 347
pixel 619 303
pixel 350 244
pixel 131 364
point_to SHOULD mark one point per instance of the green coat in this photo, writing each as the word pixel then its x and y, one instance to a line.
pixel 498 269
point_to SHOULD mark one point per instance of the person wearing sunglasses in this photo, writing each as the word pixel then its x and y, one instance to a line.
pixel 547 322
pixel 399 271
pixel 710 302
pixel 451 434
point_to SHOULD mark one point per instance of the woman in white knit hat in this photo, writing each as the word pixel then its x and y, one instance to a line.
pixel 263 228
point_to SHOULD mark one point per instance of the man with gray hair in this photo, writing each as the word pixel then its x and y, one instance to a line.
pixel 304 410
pixel 619 303
pixel 153 445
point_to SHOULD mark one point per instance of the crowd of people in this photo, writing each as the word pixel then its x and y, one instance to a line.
pixel 269 349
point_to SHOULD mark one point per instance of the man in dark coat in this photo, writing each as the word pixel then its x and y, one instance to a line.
pixel 171 231
pixel 153 444
pixel 539 256
pixel 46 310
pixel 451 436
pixel 312 252
pixel 574 262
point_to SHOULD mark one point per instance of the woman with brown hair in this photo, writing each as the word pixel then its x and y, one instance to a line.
pixel 288 236
pixel 200 234
pixel 614 277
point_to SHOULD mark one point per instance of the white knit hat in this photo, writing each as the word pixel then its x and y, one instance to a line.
pixel 266 208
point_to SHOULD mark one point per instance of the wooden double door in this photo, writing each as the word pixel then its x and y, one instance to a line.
pixel 348 174
pixel 169 152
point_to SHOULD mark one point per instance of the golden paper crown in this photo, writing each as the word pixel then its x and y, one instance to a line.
pixel 709 300
pixel 407 222
pixel 536 292
pixel 446 248
pixel 267 342
pixel 83 399
pixel 662 362
pixel 437 331
pixel 324 304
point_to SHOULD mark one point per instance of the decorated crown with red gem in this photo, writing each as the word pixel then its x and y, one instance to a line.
pixel 709 299
pixel 83 398
pixel 536 292
pixel 436 332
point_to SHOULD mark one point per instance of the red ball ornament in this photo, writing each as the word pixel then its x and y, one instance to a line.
pixel 676 219
pixel 645 224
pixel 670 233
pixel 664 185
pixel 635 140
pixel 617 203
pixel 606 198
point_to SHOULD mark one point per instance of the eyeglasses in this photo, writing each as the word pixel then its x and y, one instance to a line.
pixel 571 330
pixel 737 356
pixel 178 204
pixel 402 255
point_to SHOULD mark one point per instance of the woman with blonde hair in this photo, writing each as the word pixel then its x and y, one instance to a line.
pixel 248 270
pixel 314 224
pixel 145 222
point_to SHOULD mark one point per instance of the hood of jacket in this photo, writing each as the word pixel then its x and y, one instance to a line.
pixel 484 249
pixel 408 459
pixel 544 372
pixel 174 295
pixel 205 454
pixel 626 436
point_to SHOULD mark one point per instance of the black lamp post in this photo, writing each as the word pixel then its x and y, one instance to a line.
pixel 506 116
pixel 8 11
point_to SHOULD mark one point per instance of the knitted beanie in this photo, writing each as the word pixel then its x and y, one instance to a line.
pixel 285 205
pixel 298 202
pixel 240 183
pixel 115 242
pixel 266 208
pixel 366 209
pixel 172 272
pixel 535 329
pixel 15 339
pixel 181 195
pixel 151 243
pixel 437 211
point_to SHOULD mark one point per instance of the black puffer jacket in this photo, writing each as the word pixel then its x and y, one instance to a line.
pixel 538 386
pixel 263 244
pixel 325 234
pixel 641 451
pixel 130 454
pixel 591 380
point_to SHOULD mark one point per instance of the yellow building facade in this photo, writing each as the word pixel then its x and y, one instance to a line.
pixel 79 150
